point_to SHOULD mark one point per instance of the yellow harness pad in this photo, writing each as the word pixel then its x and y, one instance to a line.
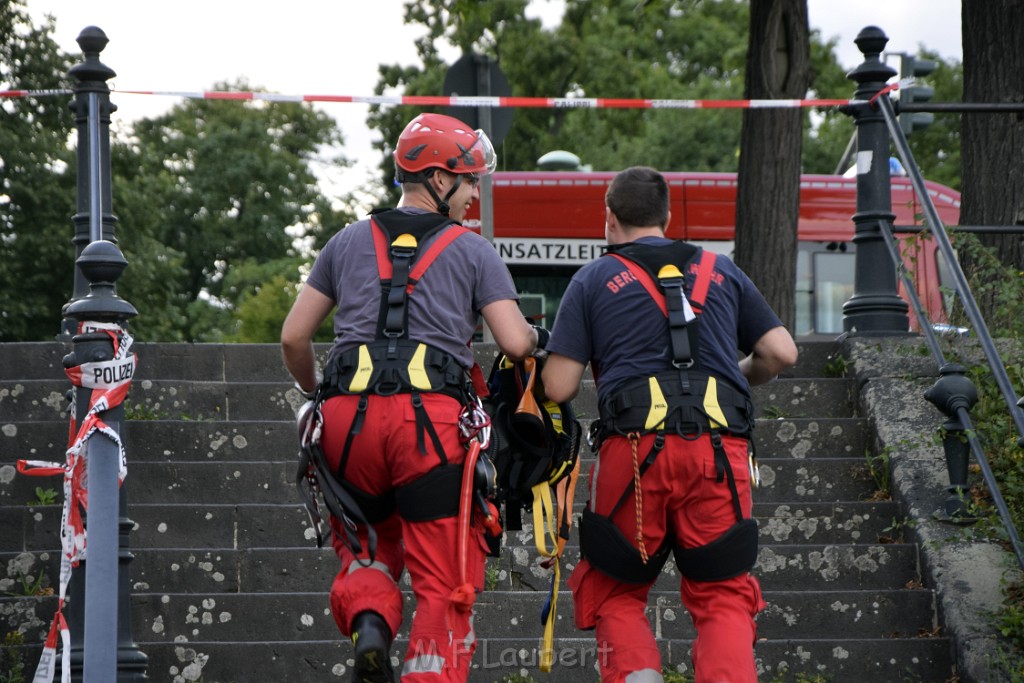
pixel 712 407
pixel 418 371
pixel 365 370
pixel 659 406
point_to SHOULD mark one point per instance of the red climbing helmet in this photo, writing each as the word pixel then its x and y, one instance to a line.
pixel 439 141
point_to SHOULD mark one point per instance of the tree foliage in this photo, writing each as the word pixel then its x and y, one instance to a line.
pixel 37 186
pixel 212 200
pixel 234 187
pixel 661 49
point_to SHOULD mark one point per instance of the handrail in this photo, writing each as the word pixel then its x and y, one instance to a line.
pixel 973 314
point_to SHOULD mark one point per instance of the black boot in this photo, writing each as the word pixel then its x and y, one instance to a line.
pixel 372 640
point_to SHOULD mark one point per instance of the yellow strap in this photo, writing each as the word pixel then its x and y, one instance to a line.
pixel 364 368
pixel 547 649
pixel 711 406
pixel 545 520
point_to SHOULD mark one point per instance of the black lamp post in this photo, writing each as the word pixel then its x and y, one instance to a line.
pixel 99 609
pixel 875 306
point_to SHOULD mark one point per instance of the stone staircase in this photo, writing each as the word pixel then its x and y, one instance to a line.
pixel 229 586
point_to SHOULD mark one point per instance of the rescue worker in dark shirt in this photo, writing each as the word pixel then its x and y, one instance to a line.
pixel 396 446
pixel 660 323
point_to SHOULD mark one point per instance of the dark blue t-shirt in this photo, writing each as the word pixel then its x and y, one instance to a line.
pixel 608 319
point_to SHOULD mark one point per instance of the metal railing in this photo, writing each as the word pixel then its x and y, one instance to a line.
pixel 953 394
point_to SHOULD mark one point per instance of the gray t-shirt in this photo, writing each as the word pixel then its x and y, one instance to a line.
pixel 444 306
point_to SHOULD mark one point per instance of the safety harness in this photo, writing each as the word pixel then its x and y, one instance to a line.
pixel 392 364
pixel 686 401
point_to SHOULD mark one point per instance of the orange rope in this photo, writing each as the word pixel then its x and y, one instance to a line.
pixel 638 496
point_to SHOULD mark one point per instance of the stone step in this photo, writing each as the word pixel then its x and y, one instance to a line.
pixel 183 617
pixel 273 482
pixel 285 525
pixel 46 399
pixel 257 570
pixel 499 660
pixel 262 362
pixel 207 440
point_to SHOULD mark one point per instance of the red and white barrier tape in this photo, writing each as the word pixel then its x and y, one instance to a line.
pixel 109 381
pixel 463 101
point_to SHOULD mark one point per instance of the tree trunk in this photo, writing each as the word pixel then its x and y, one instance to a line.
pixel 991 144
pixel 768 195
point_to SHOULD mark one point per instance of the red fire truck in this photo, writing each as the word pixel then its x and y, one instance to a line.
pixel 549 223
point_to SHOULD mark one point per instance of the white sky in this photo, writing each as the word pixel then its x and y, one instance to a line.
pixel 333 47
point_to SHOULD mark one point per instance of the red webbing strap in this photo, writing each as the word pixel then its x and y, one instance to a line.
pixel 381 248
pixel 645 279
pixel 446 237
pixel 705 269
pixel 382 251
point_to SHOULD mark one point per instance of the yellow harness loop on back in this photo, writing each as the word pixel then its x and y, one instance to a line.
pixel 405 240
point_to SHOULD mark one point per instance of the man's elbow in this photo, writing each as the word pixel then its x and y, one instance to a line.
pixel 557 388
pixel 520 347
pixel 292 341
pixel 788 357
pixel 783 355
pixel 560 394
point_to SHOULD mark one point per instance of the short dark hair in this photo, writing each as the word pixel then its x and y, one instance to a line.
pixel 638 196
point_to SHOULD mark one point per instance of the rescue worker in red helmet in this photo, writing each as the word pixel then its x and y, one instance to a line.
pixel 660 323
pixel 391 435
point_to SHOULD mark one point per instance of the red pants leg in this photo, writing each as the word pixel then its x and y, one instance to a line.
pixel 722 611
pixel 383 456
pixel 625 643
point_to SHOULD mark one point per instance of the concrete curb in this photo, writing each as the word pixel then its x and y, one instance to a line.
pixel 968 574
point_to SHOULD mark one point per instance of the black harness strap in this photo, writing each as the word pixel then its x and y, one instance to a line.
pixel 314 473
pixel 656 447
pixel 423 424
pixel 357 426
pixel 723 469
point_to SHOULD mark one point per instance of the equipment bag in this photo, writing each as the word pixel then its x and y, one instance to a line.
pixel 534 440
pixel 535 445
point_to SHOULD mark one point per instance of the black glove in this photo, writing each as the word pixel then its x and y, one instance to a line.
pixel 542 336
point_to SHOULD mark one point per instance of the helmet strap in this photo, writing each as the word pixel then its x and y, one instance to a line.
pixel 423 178
pixel 443 207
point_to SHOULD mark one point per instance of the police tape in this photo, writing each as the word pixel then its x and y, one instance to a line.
pixel 480 101
pixel 465 101
pixel 109 381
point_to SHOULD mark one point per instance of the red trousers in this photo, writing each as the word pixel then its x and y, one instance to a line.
pixel 383 456
pixel 679 497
